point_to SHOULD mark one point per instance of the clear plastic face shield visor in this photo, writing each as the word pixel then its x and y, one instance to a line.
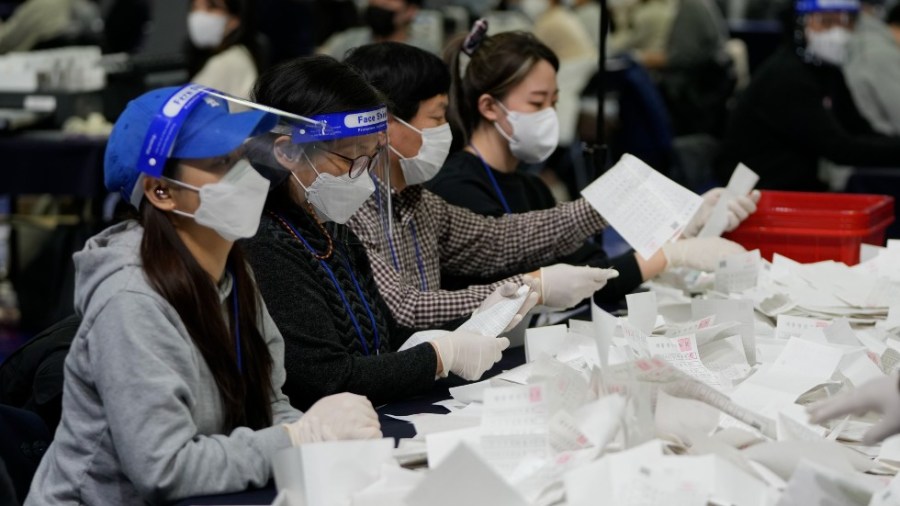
pixel 337 164
pixel 213 131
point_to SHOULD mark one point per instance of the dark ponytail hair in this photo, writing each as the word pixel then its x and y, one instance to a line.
pixel 309 86
pixel 497 65
pixel 175 274
pixel 246 34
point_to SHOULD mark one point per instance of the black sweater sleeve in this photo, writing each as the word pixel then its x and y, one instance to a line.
pixel 321 351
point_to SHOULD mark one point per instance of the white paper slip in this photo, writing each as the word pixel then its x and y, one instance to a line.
pixel 739 272
pixel 420 337
pixel 742 182
pixel 682 353
pixel 642 311
pixel 549 340
pixel 463 477
pixel 645 207
pixel 493 321
pixel 794 326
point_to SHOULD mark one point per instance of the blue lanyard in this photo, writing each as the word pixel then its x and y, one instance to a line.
pixel 420 263
pixel 237 323
pixel 490 174
pixel 337 286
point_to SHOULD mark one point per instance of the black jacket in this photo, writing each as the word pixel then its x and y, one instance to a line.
pixel 323 351
pixel 794 113
pixel 464 182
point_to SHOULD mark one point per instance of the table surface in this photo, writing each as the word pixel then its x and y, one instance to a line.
pixel 52 162
pixel 423 403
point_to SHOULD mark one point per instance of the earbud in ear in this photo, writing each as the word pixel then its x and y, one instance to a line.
pixel 290 152
pixel 161 192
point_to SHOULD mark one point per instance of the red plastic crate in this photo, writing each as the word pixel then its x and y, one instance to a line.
pixel 810 227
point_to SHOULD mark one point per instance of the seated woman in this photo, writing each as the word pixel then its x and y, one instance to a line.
pixel 444 258
pixel 223 51
pixel 308 263
pixel 173 381
pixel 502 109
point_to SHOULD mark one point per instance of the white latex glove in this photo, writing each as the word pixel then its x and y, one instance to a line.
pixel 700 253
pixel 339 416
pixel 508 291
pixel 880 395
pixel 468 355
pixel 739 209
pixel 564 285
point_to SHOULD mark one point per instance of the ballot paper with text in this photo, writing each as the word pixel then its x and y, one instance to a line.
pixel 741 183
pixel 645 207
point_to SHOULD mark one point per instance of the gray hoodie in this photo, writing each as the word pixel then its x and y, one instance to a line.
pixel 142 419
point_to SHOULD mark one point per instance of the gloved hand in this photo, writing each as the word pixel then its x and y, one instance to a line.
pixel 468 355
pixel 339 416
pixel 880 395
pixel 508 291
pixel 564 285
pixel 739 208
pixel 700 253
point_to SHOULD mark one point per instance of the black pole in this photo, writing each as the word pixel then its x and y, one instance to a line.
pixel 598 152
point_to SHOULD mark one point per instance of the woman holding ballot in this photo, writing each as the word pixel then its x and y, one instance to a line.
pixel 313 271
pixel 173 381
pixel 502 102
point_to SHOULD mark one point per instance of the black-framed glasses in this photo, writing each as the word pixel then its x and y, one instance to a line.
pixel 360 164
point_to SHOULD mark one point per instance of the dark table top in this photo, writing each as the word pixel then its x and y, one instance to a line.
pixel 423 403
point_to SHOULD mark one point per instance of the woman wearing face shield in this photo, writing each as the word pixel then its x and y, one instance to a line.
pixel 502 105
pixel 797 109
pixel 313 271
pixel 173 381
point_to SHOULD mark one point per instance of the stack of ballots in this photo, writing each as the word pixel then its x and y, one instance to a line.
pixel 686 401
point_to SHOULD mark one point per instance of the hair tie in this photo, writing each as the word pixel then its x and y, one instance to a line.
pixel 475 37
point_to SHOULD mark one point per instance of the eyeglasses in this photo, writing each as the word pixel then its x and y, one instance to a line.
pixel 360 164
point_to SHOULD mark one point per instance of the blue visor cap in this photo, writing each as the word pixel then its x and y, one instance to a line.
pixel 147 133
pixel 810 6
pixel 341 125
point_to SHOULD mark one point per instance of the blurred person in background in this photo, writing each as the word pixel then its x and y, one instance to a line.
pixel 383 20
pixel 873 66
pixel 223 49
pixel 797 109
pixel 50 23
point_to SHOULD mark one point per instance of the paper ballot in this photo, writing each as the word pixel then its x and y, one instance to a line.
pixel 491 322
pixel 741 183
pixel 645 207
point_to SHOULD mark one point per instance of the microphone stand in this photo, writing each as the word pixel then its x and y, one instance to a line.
pixel 597 154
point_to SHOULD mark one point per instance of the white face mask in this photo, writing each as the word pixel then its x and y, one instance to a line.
pixel 337 198
pixel 233 206
pixel 830 45
pixel 435 148
pixel 206 29
pixel 535 134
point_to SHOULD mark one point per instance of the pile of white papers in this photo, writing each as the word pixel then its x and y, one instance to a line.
pixel 684 401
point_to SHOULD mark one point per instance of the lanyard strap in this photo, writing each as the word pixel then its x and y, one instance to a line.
pixel 384 228
pixel 490 174
pixel 419 261
pixel 423 280
pixel 237 323
pixel 337 286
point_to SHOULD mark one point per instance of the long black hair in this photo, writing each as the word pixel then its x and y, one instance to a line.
pixel 245 34
pixel 175 274
pixel 407 74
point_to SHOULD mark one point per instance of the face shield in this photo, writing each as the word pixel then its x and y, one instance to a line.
pixel 336 162
pixel 823 29
pixel 207 130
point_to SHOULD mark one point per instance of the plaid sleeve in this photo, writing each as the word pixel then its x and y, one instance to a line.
pixel 472 244
pixel 415 308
